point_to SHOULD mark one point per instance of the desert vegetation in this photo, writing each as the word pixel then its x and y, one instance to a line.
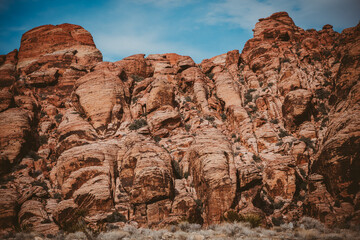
pixel 306 228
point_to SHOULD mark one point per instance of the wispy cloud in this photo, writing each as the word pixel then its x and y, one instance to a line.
pixel 306 13
pixel 117 47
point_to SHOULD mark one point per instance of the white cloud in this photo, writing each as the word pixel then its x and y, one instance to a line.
pixel 116 47
pixel 306 13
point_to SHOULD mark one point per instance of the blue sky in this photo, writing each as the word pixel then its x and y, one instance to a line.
pixel 198 28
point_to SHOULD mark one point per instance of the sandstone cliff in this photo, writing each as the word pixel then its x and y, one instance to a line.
pixel 273 131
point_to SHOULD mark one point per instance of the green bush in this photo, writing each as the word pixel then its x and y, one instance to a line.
pixel 188 99
pixel 223 116
pixel 138 123
pixel 187 127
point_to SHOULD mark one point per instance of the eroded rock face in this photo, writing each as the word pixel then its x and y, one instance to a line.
pixel 271 131
pixel 50 54
pixel 211 165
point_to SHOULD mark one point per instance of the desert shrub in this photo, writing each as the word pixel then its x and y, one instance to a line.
pixel 188 99
pixel 77 223
pixel 254 219
pixel 274 121
pixel 237 140
pixel 137 78
pixel 43 139
pixel 322 93
pixel 210 75
pixel 311 223
pixel 57 196
pixel 36 173
pixel 58 117
pixel 210 118
pixel 283 133
pixel 195 214
pixel 76 236
pixel 248 96
pixel 232 216
pixel 137 124
pixel 116 217
pixel 256 158
pixel 279 204
pixel 42 114
pixel 270 84
pixel 308 142
pixel 157 138
pixel 326 52
pixel 277 221
pixel 279 143
pixel 186 174
pixel 113 235
pixel 233 135
pixel 223 116
pixel 187 127
pixel 327 73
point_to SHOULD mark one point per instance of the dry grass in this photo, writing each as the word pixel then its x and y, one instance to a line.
pixel 307 228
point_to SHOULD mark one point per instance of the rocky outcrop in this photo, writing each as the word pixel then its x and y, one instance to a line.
pixel 271 132
pixel 58 54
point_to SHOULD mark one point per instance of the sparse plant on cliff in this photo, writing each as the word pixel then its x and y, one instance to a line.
pixel 210 75
pixel 283 133
pixel 58 117
pixel 274 121
pixel 137 78
pixel 256 158
pixel 116 217
pixel 308 142
pixel 210 118
pixel 43 139
pixel 137 124
pixel 157 138
pixel 188 99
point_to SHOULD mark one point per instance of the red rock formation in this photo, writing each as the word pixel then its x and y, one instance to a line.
pixel 273 131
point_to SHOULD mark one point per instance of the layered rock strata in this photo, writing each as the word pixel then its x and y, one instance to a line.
pixel 272 131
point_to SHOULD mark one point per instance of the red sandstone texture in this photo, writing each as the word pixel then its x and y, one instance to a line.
pixel 272 131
